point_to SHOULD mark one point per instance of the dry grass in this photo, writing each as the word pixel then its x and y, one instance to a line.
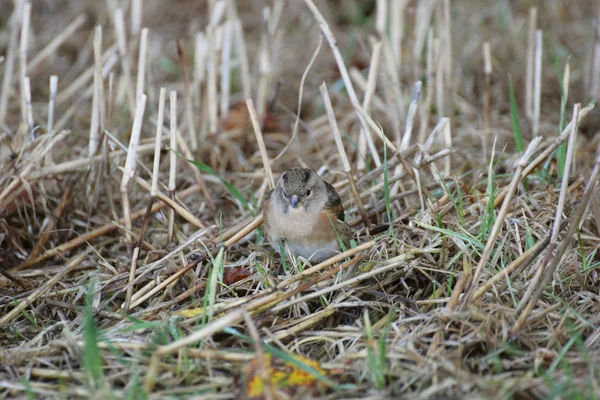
pixel 474 271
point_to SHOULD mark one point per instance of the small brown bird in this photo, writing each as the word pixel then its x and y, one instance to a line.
pixel 306 212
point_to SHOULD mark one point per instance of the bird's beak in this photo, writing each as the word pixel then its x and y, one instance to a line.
pixel 294 201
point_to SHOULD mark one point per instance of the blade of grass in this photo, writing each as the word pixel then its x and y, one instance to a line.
pixel 514 118
pixel 230 188
pixel 92 360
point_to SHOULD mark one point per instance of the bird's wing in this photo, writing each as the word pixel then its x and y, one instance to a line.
pixel 334 202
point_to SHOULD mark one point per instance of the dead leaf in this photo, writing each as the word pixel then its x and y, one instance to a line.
pixel 286 377
pixel 235 274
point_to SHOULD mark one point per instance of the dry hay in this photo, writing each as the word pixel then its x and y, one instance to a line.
pixel 465 284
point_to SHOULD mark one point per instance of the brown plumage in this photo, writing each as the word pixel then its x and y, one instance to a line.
pixel 306 212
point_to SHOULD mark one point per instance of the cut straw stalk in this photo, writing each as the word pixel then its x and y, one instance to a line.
pixel 360 113
pixel 530 63
pixel 261 143
pixel 122 47
pixel 365 140
pixel 264 65
pixel 425 111
pixel 226 68
pixel 212 79
pixel 537 99
pixel 94 141
pixel 412 109
pixel 15 20
pixel 200 51
pixel 99 82
pixel 28 107
pixel 487 100
pixel 136 17
pixel 189 112
pixel 141 72
pixel 154 188
pixel 51 100
pixel 342 154
pixel 491 242
pixel 23 57
pixel 130 163
pixel 172 161
pixel 242 54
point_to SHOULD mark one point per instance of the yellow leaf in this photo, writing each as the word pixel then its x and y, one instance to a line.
pixel 284 376
pixel 194 312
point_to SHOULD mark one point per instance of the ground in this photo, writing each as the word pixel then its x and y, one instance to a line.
pixel 473 270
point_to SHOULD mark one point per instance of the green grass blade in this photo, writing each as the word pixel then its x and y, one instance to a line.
pixel 215 275
pixel 92 359
pixel 514 118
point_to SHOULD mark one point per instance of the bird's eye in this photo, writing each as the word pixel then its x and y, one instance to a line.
pixel 308 192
